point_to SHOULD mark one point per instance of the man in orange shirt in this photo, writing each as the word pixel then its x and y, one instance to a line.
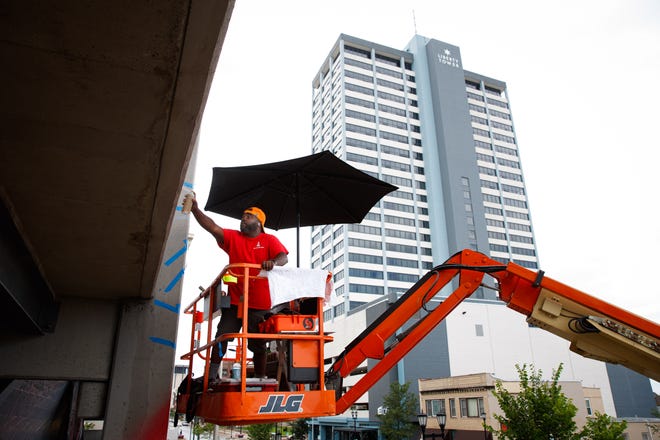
pixel 248 245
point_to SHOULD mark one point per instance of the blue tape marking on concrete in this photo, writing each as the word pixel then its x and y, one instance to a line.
pixel 176 279
pixel 165 342
pixel 172 308
pixel 178 253
pixel 188 184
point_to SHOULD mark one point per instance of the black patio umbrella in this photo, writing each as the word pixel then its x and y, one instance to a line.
pixel 313 190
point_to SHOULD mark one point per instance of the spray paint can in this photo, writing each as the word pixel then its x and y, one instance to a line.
pixel 236 371
pixel 187 203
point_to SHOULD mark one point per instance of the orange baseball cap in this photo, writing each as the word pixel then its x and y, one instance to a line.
pixel 258 213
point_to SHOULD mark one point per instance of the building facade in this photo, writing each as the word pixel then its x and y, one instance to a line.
pixel 445 136
pixel 468 402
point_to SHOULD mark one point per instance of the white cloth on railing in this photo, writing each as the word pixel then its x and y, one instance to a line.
pixel 290 283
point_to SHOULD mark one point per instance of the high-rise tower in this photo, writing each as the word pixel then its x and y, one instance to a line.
pixel 445 137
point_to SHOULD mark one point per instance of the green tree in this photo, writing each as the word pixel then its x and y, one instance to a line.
pixel 603 427
pixel 200 428
pixel 401 408
pixel 261 431
pixel 539 411
pixel 299 428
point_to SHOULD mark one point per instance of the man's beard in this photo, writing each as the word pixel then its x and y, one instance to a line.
pixel 251 228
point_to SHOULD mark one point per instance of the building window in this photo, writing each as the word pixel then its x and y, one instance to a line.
pixel 398 207
pixel 373 230
pixel 479 329
pixel 499 248
pixel 399 220
pixel 369 244
pixel 587 403
pixel 527 264
pixel 475 96
pixel 387 60
pixel 361 144
pixel 452 408
pixel 365 273
pixel 521 239
pixel 472 85
pixel 352 62
pixel 409 235
pixel 394 247
pixel 435 407
pixel 363 288
pixel 360 52
pixel 363 258
pixel 402 262
pixel 405 277
pixel 519 215
pixel 472 407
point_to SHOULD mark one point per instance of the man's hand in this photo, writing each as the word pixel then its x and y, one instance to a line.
pixel 268 265
pixel 280 260
pixel 193 201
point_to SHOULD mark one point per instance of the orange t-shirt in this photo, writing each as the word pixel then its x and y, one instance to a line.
pixel 243 249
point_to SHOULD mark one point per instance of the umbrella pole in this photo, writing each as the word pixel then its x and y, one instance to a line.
pixel 298 221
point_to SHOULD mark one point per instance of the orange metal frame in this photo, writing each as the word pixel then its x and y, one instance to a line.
pixel 371 343
pixel 385 340
pixel 518 287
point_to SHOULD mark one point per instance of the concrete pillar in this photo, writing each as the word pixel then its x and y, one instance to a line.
pixel 140 393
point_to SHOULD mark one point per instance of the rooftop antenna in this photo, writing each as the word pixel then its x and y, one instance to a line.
pixel 414 22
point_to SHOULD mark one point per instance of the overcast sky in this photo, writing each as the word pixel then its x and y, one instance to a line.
pixel 582 80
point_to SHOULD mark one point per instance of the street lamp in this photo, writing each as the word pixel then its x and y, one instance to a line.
pixel 442 419
pixel 483 418
pixel 421 419
pixel 354 414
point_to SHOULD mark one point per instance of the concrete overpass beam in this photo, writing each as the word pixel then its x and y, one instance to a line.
pixel 26 300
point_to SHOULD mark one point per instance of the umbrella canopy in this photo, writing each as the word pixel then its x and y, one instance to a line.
pixel 312 190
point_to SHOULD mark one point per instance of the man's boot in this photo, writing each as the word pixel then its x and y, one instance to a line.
pixel 259 360
pixel 213 372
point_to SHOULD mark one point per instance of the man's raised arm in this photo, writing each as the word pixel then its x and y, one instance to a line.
pixel 206 223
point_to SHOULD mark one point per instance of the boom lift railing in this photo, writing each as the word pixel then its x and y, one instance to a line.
pixel 245 400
